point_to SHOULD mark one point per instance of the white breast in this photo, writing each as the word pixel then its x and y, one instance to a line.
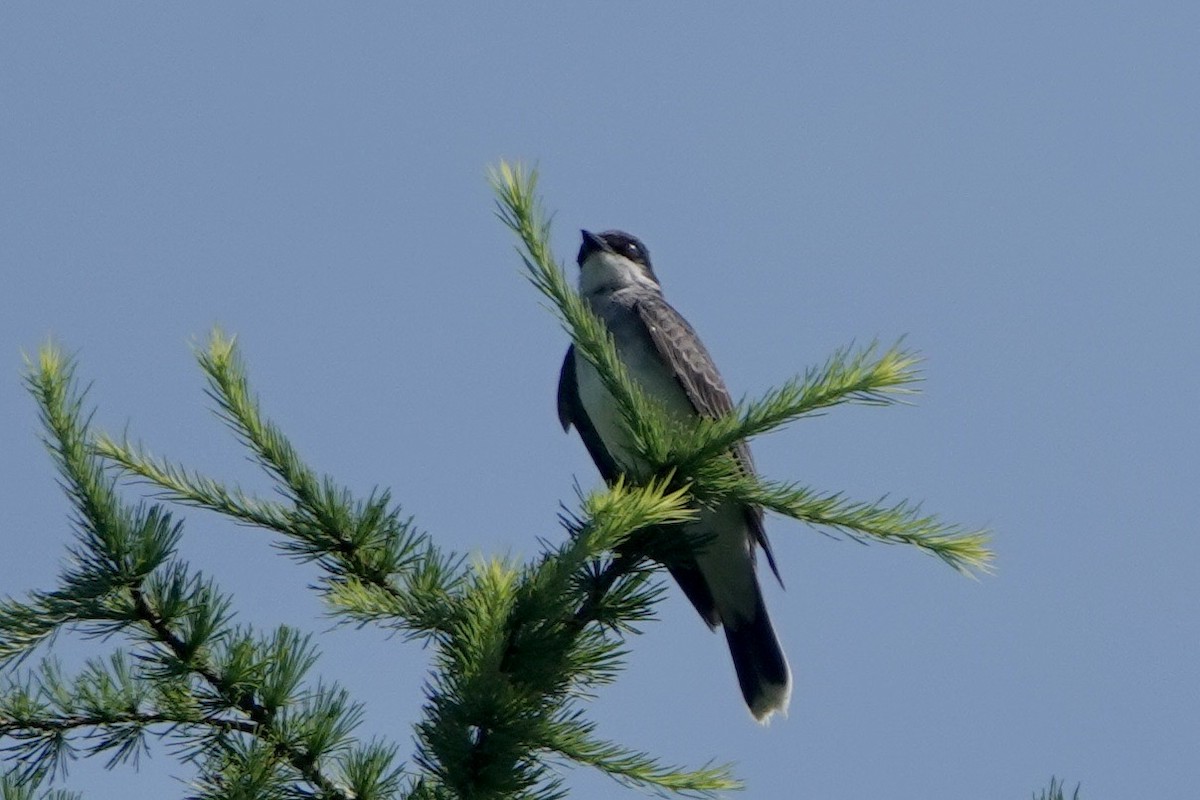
pixel 649 372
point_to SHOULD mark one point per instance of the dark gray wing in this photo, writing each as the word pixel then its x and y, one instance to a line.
pixel 571 412
pixel 681 349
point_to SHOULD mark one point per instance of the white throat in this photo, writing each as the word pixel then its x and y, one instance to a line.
pixel 602 272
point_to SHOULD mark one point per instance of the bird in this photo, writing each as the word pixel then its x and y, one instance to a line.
pixel 664 356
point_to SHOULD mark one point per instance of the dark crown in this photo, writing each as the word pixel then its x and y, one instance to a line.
pixel 617 242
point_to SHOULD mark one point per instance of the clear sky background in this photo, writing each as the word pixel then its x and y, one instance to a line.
pixel 1014 186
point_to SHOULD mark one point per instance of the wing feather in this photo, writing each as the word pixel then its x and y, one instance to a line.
pixel 681 349
pixel 571 412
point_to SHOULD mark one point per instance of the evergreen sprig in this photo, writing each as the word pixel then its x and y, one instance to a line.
pixel 236 703
pixel 1057 791
pixel 696 454
pixel 530 642
pixel 370 555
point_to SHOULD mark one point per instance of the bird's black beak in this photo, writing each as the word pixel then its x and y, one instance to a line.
pixel 591 244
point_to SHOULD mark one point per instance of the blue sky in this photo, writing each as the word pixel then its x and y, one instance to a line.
pixel 1015 187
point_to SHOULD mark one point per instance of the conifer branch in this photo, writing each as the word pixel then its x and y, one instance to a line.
pixel 378 567
pixel 13 786
pixel 508 676
pixel 223 691
pixel 864 376
pixel 190 488
pixel 899 522
pixel 1056 791
pixel 634 769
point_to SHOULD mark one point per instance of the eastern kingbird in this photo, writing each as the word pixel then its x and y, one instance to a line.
pixel 665 357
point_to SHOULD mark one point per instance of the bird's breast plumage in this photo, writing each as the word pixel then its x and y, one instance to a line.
pixel 645 366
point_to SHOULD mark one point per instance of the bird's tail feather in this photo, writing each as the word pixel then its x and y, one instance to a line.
pixel 761 666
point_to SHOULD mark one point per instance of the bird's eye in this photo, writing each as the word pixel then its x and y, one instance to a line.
pixel 632 249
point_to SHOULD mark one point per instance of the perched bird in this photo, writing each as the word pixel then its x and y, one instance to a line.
pixel 666 359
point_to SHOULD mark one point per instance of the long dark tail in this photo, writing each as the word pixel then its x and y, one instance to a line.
pixel 761 666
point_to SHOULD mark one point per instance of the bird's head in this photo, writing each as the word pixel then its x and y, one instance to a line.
pixel 613 260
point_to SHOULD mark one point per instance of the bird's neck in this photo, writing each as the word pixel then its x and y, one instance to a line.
pixel 606 273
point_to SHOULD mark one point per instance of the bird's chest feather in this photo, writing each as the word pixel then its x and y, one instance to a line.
pixel 645 366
